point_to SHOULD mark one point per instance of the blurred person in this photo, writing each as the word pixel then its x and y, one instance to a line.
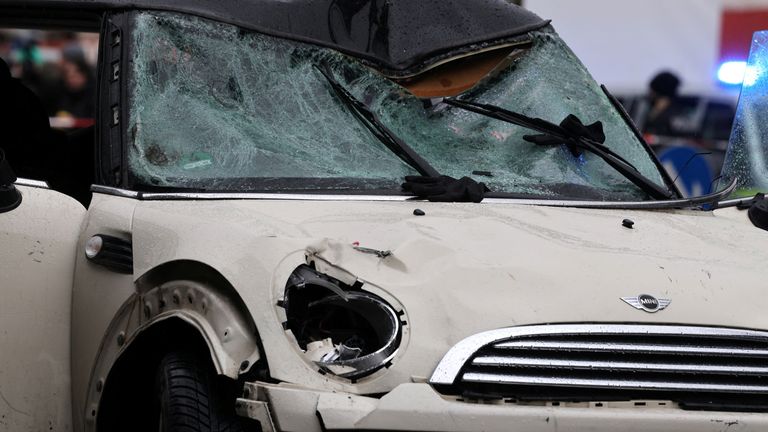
pixel 29 67
pixel 78 88
pixel 25 134
pixel 28 58
pixel 662 96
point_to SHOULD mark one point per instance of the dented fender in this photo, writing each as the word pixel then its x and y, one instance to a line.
pixel 228 333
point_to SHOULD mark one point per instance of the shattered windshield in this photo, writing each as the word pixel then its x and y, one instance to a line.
pixel 216 108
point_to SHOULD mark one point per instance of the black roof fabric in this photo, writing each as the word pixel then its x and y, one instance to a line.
pixel 396 35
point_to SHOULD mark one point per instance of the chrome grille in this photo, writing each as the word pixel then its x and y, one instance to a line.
pixel 691 365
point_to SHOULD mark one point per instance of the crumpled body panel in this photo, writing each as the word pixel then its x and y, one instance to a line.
pixel 465 268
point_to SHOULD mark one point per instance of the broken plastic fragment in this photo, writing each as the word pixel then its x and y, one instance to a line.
pixel 378 253
pixel 196 160
pixel 340 370
pixel 304 276
pixel 325 354
pixel 319 349
pixel 341 353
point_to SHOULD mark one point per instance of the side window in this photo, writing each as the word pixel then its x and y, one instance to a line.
pixel 47 112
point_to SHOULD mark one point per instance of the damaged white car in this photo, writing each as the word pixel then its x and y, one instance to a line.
pixel 366 215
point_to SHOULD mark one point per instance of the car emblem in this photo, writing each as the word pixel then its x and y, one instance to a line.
pixel 647 303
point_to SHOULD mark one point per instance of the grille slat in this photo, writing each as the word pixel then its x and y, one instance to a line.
pixel 639 348
pixel 541 380
pixel 549 363
pixel 718 368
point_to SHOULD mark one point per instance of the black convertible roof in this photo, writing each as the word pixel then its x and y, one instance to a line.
pixel 398 36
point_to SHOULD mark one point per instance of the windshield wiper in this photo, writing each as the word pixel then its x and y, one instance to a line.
pixel 610 157
pixel 377 128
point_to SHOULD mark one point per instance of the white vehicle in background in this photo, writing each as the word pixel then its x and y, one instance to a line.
pixel 416 216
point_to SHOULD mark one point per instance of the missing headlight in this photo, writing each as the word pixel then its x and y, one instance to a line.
pixel 344 330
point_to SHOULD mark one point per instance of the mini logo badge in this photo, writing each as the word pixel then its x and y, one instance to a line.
pixel 647 303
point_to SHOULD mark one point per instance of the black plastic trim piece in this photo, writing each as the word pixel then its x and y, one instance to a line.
pixel 112 110
pixel 758 212
pixel 687 203
pixel 10 197
pixel 116 254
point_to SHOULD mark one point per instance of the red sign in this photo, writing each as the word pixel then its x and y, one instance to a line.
pixel 737 29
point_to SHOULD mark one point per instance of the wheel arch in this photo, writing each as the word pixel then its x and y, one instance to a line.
pixel 179 302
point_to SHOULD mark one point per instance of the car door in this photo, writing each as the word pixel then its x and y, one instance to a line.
pixel 38 241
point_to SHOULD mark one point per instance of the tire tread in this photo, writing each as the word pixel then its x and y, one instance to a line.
pixel 189 397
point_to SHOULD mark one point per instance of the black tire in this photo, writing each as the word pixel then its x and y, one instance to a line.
pixel 189 398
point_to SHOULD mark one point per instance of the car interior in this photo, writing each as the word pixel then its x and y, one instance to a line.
pixel 63 159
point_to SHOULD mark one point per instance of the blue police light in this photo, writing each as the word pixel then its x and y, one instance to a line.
pixel 732 72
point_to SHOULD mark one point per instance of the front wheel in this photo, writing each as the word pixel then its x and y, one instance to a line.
pixel 189 399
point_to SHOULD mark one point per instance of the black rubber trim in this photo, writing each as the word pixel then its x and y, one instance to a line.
pixel 7 200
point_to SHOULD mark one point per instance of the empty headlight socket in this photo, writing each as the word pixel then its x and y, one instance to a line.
pixel 344 330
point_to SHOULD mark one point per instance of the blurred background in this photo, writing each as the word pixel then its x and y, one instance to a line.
pixel 677 66
pixel 625 43
pixel 60 67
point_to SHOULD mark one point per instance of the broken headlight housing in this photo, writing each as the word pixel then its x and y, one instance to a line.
pixel 346 331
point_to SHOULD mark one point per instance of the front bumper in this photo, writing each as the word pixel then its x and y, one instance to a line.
pixel 417 407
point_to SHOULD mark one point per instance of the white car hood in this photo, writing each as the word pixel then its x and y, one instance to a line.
pixel 464 268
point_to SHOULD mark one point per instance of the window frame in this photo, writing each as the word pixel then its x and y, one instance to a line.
pixel 111 169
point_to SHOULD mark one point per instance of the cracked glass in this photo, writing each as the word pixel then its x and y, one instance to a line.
pixel 214 107
pixel 746 160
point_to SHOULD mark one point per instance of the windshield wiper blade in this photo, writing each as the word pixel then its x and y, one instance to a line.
pixel 377 128
pixel 618 163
